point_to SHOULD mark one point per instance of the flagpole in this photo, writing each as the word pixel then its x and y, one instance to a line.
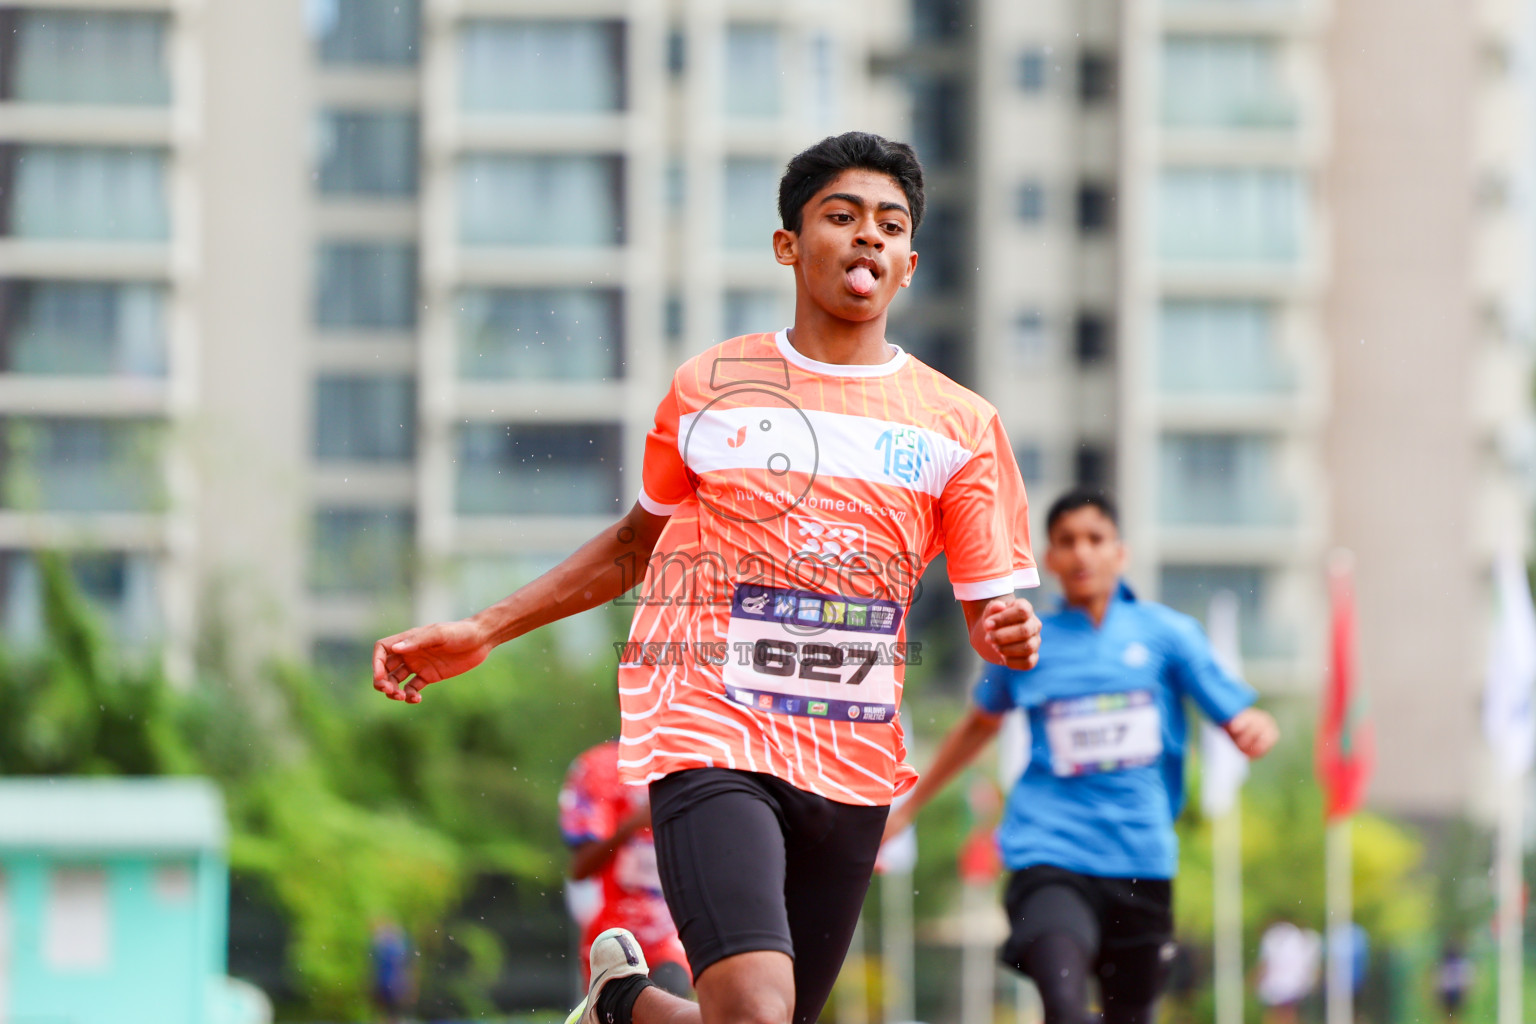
pixel 1340 900
pixel 1227 867
pixel 896 945
pixel 1511 932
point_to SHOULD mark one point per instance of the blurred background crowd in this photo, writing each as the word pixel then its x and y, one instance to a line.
pixel 323 317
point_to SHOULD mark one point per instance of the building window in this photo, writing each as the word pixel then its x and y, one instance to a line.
pixel 1031 339
pixel 121 588
pixel 365 419
pixel 1190 589
pixel 753 71
pixel 1092 337
pixel 939 119
pixel 80 464
pixel 1091 466
pixel 95 193
pixel 1031 463
pixel 362 550
pixel 672 317
pixel 938 19
pixel 1095 208
pixel 529 469
pixel 1214 215
pixel 109 58
pixel 77 922
pixel 1224 82
pixel 367 286
pixel 677 52
pixel 755 312
pixel 751 203
pixel 540 334
pixel 1033 68
pixel 1095 78
pixel 1220 480
pixel 566 201
pixel 542 67
pixel 368 153
pixel 82 328
pixel 945 250
pixel 1216 346
pixel 1031 202
pixel 367 31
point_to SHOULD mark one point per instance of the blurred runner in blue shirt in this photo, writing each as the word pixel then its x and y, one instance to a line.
pixel 1088 832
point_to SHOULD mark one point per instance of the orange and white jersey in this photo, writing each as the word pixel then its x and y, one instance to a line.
pixel 806 499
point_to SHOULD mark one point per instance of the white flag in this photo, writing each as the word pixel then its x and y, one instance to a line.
pixel 1223 766
pixel 1507 718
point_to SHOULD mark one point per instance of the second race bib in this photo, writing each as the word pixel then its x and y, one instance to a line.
pixel 1108 732
pixel 799 652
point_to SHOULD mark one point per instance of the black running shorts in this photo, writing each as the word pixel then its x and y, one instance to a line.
pixel 750 863
pixel 1123 925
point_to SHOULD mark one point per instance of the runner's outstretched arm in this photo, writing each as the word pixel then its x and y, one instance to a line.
pixel 960 747
pixel 600 570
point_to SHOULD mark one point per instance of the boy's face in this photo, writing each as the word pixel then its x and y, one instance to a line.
pixel 1085 554
pixel 854 247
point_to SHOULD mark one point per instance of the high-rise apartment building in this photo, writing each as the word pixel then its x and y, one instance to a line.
pixel 1217 269
pixel 324 316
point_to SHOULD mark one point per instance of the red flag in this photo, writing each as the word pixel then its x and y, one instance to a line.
pixel 1346 748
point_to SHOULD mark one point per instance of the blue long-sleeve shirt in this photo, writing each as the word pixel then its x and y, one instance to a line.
pixel 1105 779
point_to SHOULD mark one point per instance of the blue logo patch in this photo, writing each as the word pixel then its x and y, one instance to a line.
pixel 906 452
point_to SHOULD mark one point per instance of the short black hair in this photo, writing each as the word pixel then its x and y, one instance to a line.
pixel 810 171
pixel 1082 497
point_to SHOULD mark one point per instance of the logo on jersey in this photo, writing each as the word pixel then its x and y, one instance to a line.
pixel 1136 654
pixel 853 711
pixel 739 440
pixel 765 700
pixel 754 604
pixel 905 451
pixel 817 707
pixel 826 541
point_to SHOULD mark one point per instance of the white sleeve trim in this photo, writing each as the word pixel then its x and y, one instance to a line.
pixel 1000 587
pixel 1026 579
pixel 653 506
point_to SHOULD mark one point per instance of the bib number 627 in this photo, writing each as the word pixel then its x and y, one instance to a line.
pixel 820 662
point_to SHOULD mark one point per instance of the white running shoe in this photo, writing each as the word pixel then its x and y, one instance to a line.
pixel 615 954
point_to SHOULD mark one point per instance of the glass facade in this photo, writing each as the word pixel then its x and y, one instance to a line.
pixel 368 153
pixel 754 72
pixel 121 587
pixel 366 286
pixel 365 419
pixel 1214 347
pixel 380 32
pixel 1224 82
pixel 751 203
pixel 87 193
pixel 542 469
pixel 563 200
pixel 1226 479
pixel 82 328
pixel 1241 215
pixel 110 58
pixel 82 464
pixel 362 550
pixel 540 334
pixel 542 67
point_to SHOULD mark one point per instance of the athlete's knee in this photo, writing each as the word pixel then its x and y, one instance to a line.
pixel 750 988
pixel 1058 965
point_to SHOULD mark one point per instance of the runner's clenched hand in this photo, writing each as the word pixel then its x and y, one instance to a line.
pixel 1253 731
pixel 1006 631
pixel 407 662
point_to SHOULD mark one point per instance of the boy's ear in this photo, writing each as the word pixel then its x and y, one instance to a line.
pixel 911 268
pixel 786 247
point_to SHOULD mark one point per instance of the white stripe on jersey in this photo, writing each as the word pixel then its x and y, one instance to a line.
pixel 831 444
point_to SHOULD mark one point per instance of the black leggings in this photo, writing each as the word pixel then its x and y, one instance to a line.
pixel 1066 927
pixel 750 863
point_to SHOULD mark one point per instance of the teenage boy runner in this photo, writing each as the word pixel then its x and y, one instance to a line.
pixel 794 488
pixel 1088 831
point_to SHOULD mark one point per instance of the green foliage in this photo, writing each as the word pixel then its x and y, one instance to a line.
pixel 348 811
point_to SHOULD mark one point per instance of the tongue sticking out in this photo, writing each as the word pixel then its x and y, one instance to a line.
pixel 861 280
